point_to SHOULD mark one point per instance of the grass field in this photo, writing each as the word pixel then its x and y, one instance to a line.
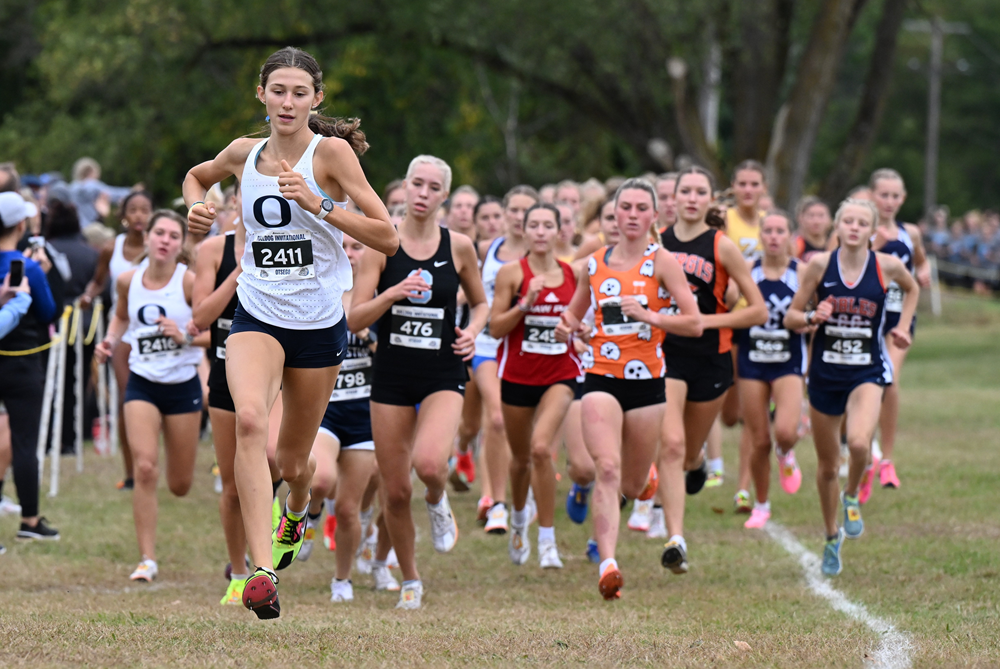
pixel 929 562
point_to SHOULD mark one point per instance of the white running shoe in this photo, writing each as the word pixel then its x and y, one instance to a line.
pixel 383 579
pixel 496 519
pixel 410 595
pixel 341 591
pixel 876 449
pixel 532 507
pixel 218 485
pixel 548 555
pixel 444 528
pixel 657 524
pixel 309 540
pixel 391 561
pixel 366 520
pixel 8 507
pixel 845 459
pixel 518 546
pixel 366 553
pixel 146 571
pixel 640 519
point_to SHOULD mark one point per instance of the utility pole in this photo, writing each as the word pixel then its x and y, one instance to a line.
pixel 938 29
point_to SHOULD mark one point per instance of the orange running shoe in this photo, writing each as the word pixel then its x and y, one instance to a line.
pixel 652 483
pixel 611 582
pixel 330 532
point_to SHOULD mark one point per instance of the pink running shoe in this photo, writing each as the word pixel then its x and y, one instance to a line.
pixel 758 518
pixel 789 473
pixel 887 475
pixel 865 488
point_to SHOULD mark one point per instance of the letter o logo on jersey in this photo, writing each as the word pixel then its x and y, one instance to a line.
pixel 592 266
pixel 284 211
pixel 148 313
pixel 612 287
pixel 425 295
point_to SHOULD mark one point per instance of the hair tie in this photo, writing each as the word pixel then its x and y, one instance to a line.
pixel 267 119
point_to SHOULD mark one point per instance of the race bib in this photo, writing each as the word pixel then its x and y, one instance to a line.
pixel 283 256
pixel 224 325
pixel 615 323
pixel 416 327
pixel 894 298
pixel 769 346
pixel 354 381
pixel 540 336
pixel 847 345
pixel 152 344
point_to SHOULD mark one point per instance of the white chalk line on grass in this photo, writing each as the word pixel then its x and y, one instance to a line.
pixel 894 647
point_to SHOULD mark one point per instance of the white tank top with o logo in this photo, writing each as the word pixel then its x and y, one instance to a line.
pixel 295 269
pixel 155 356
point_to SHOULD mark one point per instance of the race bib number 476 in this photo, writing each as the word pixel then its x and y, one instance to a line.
pixel 416 327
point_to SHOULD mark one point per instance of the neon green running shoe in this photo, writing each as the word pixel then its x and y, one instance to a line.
pixel 234 593
pixel 275 514
pixel 286 540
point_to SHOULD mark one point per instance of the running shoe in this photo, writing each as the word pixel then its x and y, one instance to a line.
pixel 742 503
pixel 518 545
pixel 391 560
pixel 218 477
pixel 366 520
pixel 309 539
pixel 2 549
pixel 674 557
pixel 758 518
pixel 483 509
pixel 887 475
pixel 805 422
pixel 125 484
pixel 234 593
pixel 694 480
pixel 286 541
pixel 865 487
pixel 531 507
pixel 341 591
pixel 410 595
pixel 275 514
pixel 383 579
pixel 845 458
pixel 854 526
pixel 652 483
pixel 548 555
pixel 444 528
pixel 640 519
pixel 577 502
pixel 876 448
pixel 260 594
pixel 40 532
pixel 8 507
pixel 715 479
pixel 146 571
pixel 789 473
pixel 592 553
pixel 496 520
pixel 330 533
pixel 366 553
pixel 611 582
pixel 229 568
pixel 831 555
pixel 657 524
pixel 463 474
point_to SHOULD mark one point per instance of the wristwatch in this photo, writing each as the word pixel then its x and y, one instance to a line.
pixel 809 316
pixel 325 207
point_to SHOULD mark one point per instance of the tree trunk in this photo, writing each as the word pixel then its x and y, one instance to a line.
pixel 873 99
pixel 760 58
pixel 814 80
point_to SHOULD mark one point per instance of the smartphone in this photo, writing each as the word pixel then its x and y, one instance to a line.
pixel 36 241
pixel 16 273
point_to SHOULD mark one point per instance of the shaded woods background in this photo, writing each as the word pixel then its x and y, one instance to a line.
pixel 516 90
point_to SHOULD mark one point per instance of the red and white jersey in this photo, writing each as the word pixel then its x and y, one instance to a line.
pixel 530 354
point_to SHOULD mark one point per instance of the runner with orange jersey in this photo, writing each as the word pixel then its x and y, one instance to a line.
pixel 631 285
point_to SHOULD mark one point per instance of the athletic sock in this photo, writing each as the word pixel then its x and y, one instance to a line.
pixel 406 583
pixel 1 487
pixel 519 517
pixel 331 507
pixel 546 535
pixel 833 537
pixel 778 452
pixel 274 487
pixel 315 516
pixel 378 563
pixel 604 565
pixel 296 515
pixel 657 506
pixel 763 506
pixel 239 577
pixel 680 540
pixel 715 465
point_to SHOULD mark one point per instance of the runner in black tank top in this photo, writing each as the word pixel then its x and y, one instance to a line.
pixel 419 360
pixel 214 302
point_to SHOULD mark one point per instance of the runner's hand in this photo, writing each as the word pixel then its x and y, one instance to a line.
pixel 103 351
pixel 411 286
pixel 823 311
pixel 632 309
pixel 465 343
pixel 292 186
pixel 170 329
pixel 200 218
pixel 900 338
pixel 565 328
pixel 534 288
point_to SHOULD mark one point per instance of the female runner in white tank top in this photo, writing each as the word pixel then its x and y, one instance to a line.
pixel 153 309
pixel 288 331
pixel 118 256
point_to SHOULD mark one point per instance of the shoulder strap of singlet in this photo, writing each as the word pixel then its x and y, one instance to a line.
pixel 491 253
pixel 607 253
pixel 567 272
pixel 119 243
pixel 878 268
pixel 307 156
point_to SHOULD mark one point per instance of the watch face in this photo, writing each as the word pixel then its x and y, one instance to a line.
pixel 327 205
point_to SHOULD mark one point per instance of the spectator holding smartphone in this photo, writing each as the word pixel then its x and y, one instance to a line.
pixel 23 375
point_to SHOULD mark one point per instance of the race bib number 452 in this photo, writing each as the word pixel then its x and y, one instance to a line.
pixel 847 345
pixel 282 256
pixel 416 327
